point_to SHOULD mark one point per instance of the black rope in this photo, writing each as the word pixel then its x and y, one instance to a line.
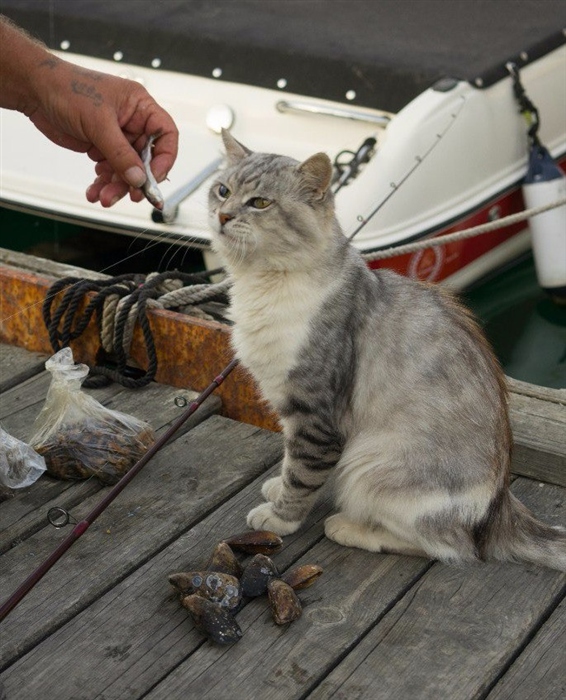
pixel 526 106
pixel 65 324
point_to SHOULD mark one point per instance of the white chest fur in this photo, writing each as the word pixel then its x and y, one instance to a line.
pixel 272 315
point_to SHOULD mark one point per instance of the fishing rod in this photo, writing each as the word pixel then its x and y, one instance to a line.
pixel 81 527
pixel 419 160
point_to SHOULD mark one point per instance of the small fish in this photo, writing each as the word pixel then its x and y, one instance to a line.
pixel 150 188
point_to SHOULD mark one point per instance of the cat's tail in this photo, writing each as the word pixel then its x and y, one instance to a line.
pixel 516 535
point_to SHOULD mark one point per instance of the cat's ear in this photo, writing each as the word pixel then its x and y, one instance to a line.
pixel 317 174
pixel 235 151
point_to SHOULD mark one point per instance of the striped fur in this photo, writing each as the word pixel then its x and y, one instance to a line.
pixel 385 382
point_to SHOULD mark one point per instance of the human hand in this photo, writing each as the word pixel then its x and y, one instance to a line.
pixel 110 119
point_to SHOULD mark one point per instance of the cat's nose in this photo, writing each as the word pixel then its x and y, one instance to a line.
pixel 224 218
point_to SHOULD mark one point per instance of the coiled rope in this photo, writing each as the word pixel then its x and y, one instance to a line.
pixel 120 302
pixel 394 251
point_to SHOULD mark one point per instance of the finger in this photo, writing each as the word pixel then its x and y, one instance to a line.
pixel 165 152
pixel 136 195
pixel 120 155
pixel 93 190
pixel 112 193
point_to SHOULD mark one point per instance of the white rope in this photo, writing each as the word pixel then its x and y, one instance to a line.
pixel 192 294
pixel 394 251
pixel 174 296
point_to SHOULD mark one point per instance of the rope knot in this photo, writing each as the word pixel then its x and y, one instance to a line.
pixel 120 303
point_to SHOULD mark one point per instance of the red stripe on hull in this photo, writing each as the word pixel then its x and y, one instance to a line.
pixel 438 263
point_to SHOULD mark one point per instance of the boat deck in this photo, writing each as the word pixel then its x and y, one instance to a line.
pixel 105 623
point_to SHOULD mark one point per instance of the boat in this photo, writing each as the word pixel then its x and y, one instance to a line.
pixel 414 103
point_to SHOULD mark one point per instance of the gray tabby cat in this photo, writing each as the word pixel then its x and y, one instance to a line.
pixel 387 381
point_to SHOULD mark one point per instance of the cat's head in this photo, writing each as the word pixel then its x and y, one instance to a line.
pixel 270 210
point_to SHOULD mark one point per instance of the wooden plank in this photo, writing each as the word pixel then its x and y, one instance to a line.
pixel 538 392
pixel 112 627
pixel 17 365
pixel 540 666
pixel 453 632
pixel 20 405
pixel 183 482
pixel 25 512
pixel 50 268
pixel 539 434
pixel 142 628
pixel 190 351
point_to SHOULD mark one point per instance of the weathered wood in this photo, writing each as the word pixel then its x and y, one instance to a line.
pixel 539 672
pixel 545 393
pixel 50 268
pixel 26 511
pixel 190 351
pixel 181 484
pixel 452 633
pixel 17 365
pixel 112 627
pixel 20 405
pixel 539 434
pixel 336 608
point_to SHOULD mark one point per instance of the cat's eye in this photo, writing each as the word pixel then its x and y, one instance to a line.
pixel 223 192
pixel 259 203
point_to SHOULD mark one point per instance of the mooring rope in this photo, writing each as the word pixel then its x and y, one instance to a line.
pixel 119 303
pixel 394 251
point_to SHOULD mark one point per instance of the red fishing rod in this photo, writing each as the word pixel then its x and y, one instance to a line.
pixel 80 528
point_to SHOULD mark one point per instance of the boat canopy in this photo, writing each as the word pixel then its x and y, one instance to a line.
pixel 374 53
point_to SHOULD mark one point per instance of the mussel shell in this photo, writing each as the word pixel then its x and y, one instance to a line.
pixel 256 542
pixel 302 576
pixel 213 620
pixel 257 573
pixel 224 560
pixel 212 585
pixel 283 601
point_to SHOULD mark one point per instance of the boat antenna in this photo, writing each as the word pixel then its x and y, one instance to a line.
pixel 418 162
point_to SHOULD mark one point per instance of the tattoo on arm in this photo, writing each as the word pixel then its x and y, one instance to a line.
pixel 87 91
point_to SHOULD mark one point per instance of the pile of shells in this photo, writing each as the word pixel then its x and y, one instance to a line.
pixel 214 595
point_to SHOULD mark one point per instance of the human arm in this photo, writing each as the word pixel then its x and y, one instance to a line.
pixel 107 117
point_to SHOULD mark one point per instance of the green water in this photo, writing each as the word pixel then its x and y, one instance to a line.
pixel 526 328
pixel 93 249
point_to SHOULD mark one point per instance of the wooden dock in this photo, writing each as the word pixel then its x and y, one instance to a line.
pixel 105 623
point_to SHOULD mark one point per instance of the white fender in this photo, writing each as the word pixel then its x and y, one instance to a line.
pixel 545 183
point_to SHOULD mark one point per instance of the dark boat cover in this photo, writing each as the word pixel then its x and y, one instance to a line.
pixel 385 51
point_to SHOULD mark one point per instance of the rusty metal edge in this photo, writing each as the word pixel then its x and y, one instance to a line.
pixel 190 351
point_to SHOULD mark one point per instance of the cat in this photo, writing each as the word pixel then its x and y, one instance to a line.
pixel 387 382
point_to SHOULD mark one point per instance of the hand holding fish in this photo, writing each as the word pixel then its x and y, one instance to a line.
pixel 109 118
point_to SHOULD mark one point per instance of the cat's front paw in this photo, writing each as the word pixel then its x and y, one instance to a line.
pixel 272 488
pixel 263 518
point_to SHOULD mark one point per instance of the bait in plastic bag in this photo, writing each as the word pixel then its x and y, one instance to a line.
pixel 78 436
pixel 20 465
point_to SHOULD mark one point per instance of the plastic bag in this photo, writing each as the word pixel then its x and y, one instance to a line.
pixel 78 436
pixel 20 465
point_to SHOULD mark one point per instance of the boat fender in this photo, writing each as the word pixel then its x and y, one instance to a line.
pixel 545 183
